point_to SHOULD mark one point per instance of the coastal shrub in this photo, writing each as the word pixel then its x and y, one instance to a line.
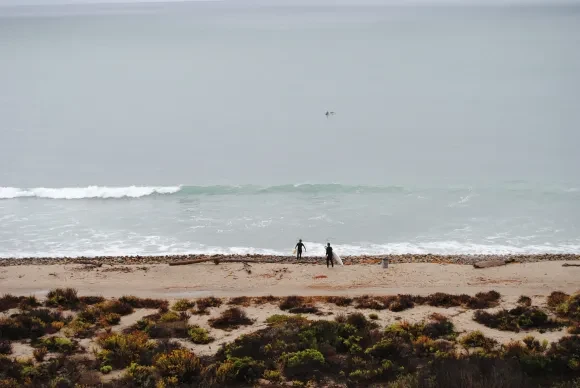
pixel 63 297
pixel 369 302
pixel 79 328
pixel 39 353
pixel 272 375
pixel 519 318
pixel 476 339
pixel 303 363
pixel 106 369
pixel 5 347
pixel 240 301
pixel 281 319
pixel 141 376
pixel 30 324
pixel 265 299
pixel 182 305
pixel 360 322
pixel 534 345
pixel 292 301
pixel 120 350
pixel 373 316
pixel 91 300
pixel 341 301
pixel 8 301
pixel 556 298
pixel 199 335
pixel 112 306
pixel 57 345
pixel 440 299
pixel 110 319
pixel 231 318
pixel 239 370
pixel 305 309
pixel 574 329
pixel 204 304
pixel 525 301
pixel 570 308
pixel 170 316
pixel 144 303
pixel 400 303
pixel 180 364
pixel 438 326
pixel 28 302
pixel 166 325
pixel 9 383
pixel 565 354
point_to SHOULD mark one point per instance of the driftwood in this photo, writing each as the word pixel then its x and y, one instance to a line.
pixel 492 263
pixel 216 261
pixel 570 265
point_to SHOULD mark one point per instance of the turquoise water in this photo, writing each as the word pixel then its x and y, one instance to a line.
pixel 190 128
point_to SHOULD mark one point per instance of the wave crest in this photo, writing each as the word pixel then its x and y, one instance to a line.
pixel 86 192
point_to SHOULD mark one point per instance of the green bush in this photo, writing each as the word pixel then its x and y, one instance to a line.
pixel 63 297
pixel 476 339
pixel 199 335
pixel 180 364
pixel 272 375
pixel 302 363
pixel 57 345
pixel 240 370
pixel 106 369
pixel 120 350
pixel 142 376
pixel 183 305
pixel 519 318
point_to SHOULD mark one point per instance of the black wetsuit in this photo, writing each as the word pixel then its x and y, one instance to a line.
pixel 329 257
pixel 299 247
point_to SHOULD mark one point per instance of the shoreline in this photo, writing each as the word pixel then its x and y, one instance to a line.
pixel 467 259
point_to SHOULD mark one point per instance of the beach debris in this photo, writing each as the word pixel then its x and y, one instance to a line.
pixel 492 263
pixel 247 267
pixel 570 265
pixel 320 277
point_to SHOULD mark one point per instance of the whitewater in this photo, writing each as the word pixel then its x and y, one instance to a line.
pixel 200 127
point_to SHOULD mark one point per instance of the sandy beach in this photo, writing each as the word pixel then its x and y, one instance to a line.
pixel 234 279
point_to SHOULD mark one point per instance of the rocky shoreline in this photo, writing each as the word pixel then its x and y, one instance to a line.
pixel 348 260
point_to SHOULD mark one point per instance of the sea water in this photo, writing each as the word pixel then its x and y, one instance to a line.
pixel 201 128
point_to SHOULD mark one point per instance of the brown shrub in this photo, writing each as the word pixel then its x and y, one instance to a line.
pixel 240 301
pixel 369 302
pixel 232 318
pixel 205 303
pixel 5 347
pixel 62 297
pixel 556 298
pixel 91 300
pixel 144 303
pixel 291 302
pixel 525 301
pixel 265 299
pixel 339 300
pixel 8 301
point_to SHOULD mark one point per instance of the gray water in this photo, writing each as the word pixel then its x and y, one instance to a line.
pixel 456 129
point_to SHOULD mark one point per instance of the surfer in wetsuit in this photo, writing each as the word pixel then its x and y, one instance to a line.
pixel 329 258
pixel 299 247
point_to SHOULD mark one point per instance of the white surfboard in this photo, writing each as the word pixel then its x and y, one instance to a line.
pixel 336 258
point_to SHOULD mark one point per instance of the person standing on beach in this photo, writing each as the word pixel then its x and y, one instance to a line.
pixel 299 247
pixel 329 258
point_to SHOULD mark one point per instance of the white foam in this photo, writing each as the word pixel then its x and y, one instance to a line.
pixel 86 192
pixel 167 247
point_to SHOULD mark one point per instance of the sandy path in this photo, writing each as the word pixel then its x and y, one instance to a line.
pixel 161 280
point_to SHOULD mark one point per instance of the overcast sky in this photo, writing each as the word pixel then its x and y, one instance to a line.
pixel 314 2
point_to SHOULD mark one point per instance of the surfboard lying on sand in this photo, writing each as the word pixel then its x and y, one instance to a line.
pixel 336 258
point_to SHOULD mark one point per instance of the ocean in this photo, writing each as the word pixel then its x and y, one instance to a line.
pixel 155 129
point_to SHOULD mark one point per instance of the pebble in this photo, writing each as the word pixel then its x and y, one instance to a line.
pixel 348 260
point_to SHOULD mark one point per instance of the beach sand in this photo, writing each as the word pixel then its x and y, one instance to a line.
pixel 231 279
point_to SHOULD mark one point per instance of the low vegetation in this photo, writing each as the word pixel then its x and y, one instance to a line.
pixel 519 318
pixel 231 318
pixel 352 350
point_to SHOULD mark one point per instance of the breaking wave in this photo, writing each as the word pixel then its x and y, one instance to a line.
pixel 86 192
